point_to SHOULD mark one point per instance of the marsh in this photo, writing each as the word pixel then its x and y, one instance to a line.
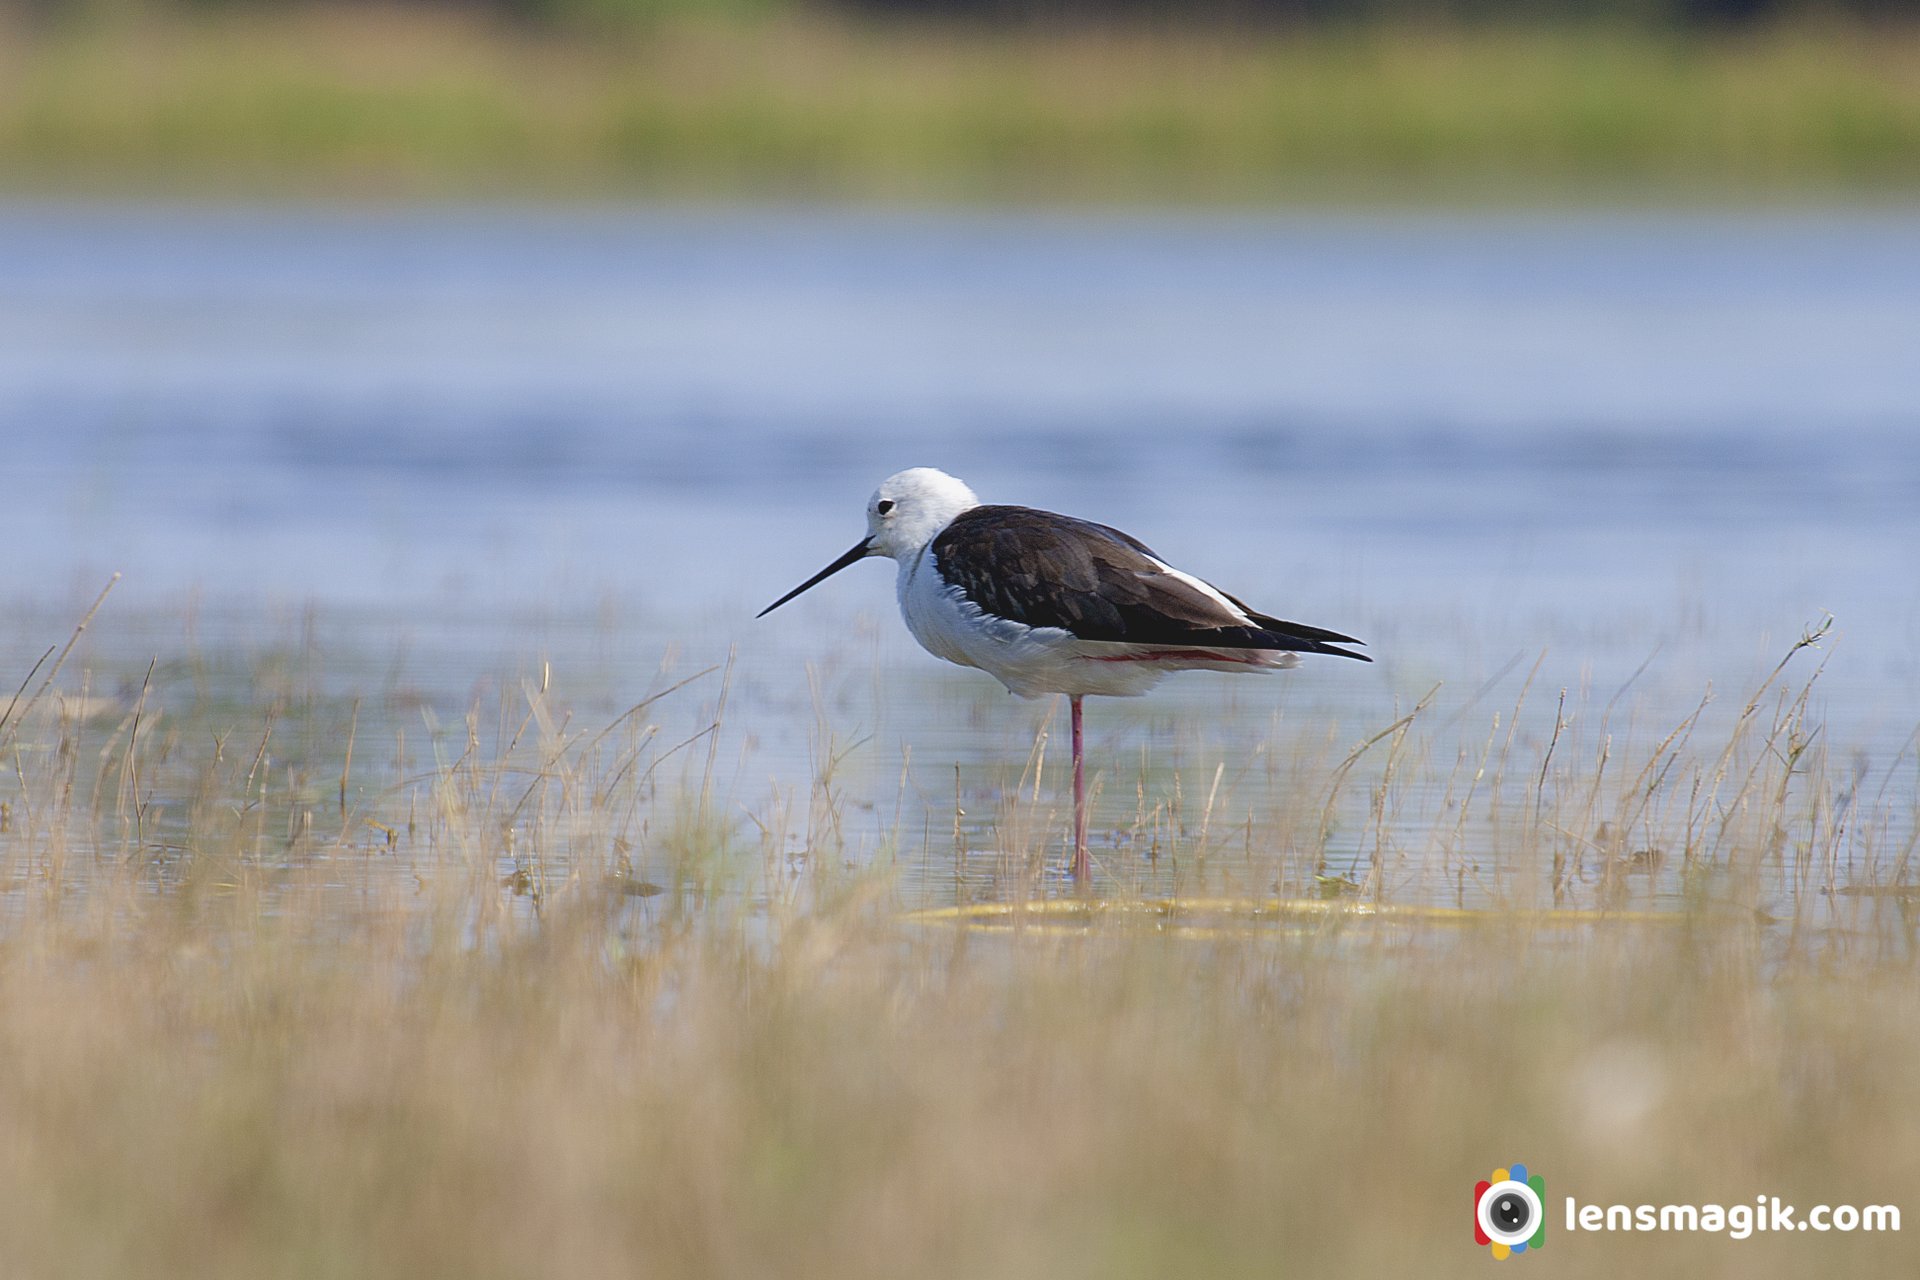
pixel 423 861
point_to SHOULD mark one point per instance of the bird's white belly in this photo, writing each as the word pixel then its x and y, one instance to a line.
pixel 1030 661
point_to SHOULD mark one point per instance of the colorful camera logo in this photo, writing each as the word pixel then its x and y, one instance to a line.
pixel 1509 1211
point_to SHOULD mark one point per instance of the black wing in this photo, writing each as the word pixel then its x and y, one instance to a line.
pixel 1048 570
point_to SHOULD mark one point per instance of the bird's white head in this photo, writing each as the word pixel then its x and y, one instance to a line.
pixel 910 508
pixel 905 513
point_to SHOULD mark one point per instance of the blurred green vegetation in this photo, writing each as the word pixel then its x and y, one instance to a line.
pixel 1019 13
pixel 774 101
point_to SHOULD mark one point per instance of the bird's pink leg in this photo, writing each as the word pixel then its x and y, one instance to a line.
pixel 1081 871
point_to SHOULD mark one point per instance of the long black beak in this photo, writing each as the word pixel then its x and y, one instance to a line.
pixel 858 552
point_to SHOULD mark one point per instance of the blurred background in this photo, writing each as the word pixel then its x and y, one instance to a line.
pixel 1500 334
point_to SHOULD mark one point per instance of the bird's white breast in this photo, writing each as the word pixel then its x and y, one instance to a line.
pixel 1030 661
pixel 946 624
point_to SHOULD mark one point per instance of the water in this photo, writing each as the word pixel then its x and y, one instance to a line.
pixel 1642 451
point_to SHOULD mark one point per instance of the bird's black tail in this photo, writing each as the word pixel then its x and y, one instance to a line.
pixel 1301 638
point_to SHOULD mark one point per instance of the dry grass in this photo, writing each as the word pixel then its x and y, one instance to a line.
pixel 384 103
pixel 522 999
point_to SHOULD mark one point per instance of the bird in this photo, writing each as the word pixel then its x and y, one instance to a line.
pixel 1052 604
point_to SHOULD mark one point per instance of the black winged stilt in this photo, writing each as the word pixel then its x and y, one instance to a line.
pixel 1047 603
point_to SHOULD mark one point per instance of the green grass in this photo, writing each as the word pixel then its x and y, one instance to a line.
pixel 297 982
pixel 375 103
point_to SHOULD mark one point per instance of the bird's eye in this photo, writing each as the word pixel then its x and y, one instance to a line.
pixel 883 506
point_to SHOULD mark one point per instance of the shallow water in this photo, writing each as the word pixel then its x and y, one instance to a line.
pixel 1629 455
